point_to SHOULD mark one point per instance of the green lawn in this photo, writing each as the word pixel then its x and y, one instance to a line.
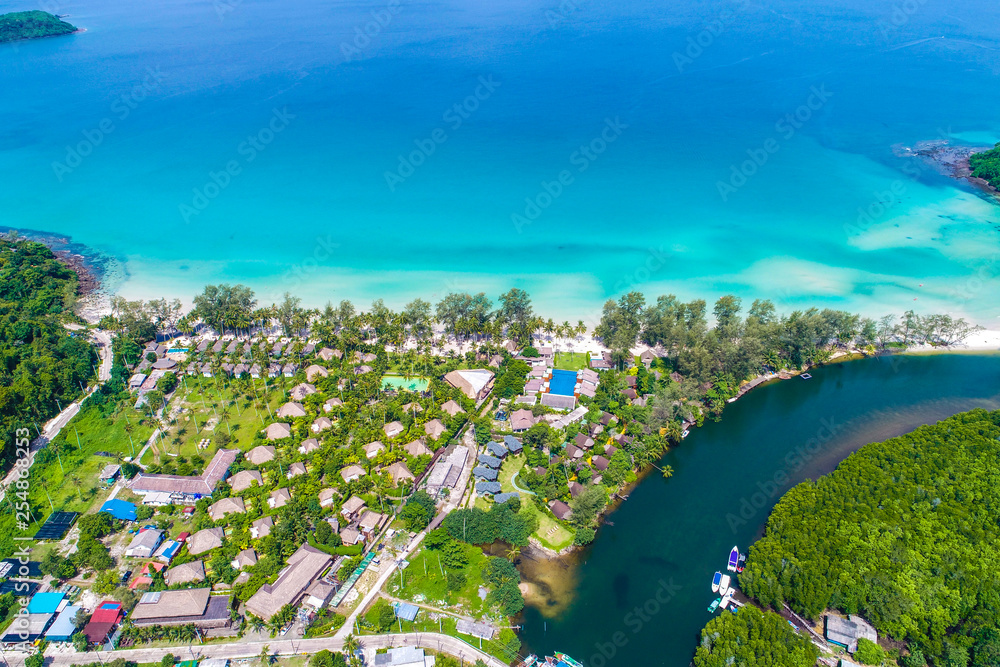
pixel 550 533
pixel 207 400
pixel 424 580
pixel 571 361
pixel 510 467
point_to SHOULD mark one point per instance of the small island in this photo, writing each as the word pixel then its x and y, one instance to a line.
pixel 31 25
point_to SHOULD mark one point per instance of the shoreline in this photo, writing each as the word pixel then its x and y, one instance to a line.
pixel 951 160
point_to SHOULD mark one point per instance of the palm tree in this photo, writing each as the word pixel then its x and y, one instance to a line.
pixel 667 471
pixel 351 646
pixel 265 656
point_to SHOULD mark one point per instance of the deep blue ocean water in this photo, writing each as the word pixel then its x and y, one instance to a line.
pixel 395 149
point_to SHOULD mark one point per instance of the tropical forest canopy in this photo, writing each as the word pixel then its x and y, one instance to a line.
pixel 986 165
pixel 753 638
pixel 29 25
pixel 905 533
pixel 42 365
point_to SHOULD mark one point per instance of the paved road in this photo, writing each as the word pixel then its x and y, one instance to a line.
pixel 427 640
pixel 104 350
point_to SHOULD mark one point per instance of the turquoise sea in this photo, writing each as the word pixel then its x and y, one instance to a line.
pixel 573 148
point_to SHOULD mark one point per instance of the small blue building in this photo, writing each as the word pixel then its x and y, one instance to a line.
pixel 119 509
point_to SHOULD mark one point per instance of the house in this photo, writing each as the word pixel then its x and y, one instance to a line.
pixel 487 488
pixel 451 407
pixel 434 428
pixel 474 383
pixel 489 461
pixel 205 540
pixel 220 509
pixel 600 463
pixel 372 449
pixel 245 558
pixel 512 444
pixel 583 441
pixel 104 619
pixel 321 424
pixel 244 479
pixel 119 509
pixel 607 419
pixel 521 420
pixel 352 472
pixel 369 523
pixel 191 606
pixel 350 537
pixel 279 498
pixel 352 507
pixel 261 527
pixel 314 371
pixel 399 472
pixel 574 452
pixel 278 431
pixel 392 429
pixel 648 357
pixel 326 354
pixel 447 470
pixel 296 469
pixel 309 446
pixel 177 489
pixel 167 551
pixel 545 352
pixel 110 473
pixel 482 472
pixel 495 361
pixel 504 497
pixel 326 497
pixel 847 631
pixel 185 573
pixel 561 510
pixel 331 404
pixel 261 454
pixel 496 449
pixel 304 567
pixel 575 489
pixel 319 594
pixel 412 408
pixel 302 390
pixel 362 369
pixel 144 544
pixel 417 448
pixel 292 409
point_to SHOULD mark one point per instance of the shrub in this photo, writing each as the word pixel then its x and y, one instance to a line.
pixel 869 653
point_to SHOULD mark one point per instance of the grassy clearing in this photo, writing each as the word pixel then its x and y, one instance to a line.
pixel 571 361
pixel 510 467
pixel 425 581
pixel 550 533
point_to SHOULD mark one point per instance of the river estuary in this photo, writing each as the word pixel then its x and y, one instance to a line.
pixel 639 594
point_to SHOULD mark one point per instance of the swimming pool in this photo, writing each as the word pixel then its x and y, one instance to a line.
pixel 562 383
pixel 409 384
pixel 177 350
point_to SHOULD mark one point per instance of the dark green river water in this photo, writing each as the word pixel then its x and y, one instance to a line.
pixel 642 588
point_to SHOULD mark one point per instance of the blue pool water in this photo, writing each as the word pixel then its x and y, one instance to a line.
pixel 562 383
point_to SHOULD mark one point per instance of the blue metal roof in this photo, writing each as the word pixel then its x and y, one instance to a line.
pixel 512 443
pixel 45 603
pixel 63 628
pixel 119 509
pixel 406 611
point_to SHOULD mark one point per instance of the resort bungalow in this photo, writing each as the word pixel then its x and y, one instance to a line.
pixel 291 410
pixel 321 424
pixel 487 488
pixel 326 497
pixel 392 429
pixel 277 431
pixel 245 558
pixel 204 540
pixel 504 497
pixel 398 472
pixel 279 498
pixel 296 469
pixel 219 510
pixel 261 527
pixel 560 510
pixel 412 408
pixel 309 446
pixel 288 370
pixel 315 371
pixel 351 508
pixel 474 383
pixel 331 404
pixel 497 449
pixel 261 454
pixel 482 472
pixel 600 463
pixel 352 472
pixel 451 407
pixel 302 390
pixel 185 573
pixel 350 537
pixel 489 461
pixel 583 441
pixel 574 452
pixel 417 448
pixel 521 420
pixel 435 428
pixel 372 449
pixel 512 444
pixel 370 522
pixel 326 354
